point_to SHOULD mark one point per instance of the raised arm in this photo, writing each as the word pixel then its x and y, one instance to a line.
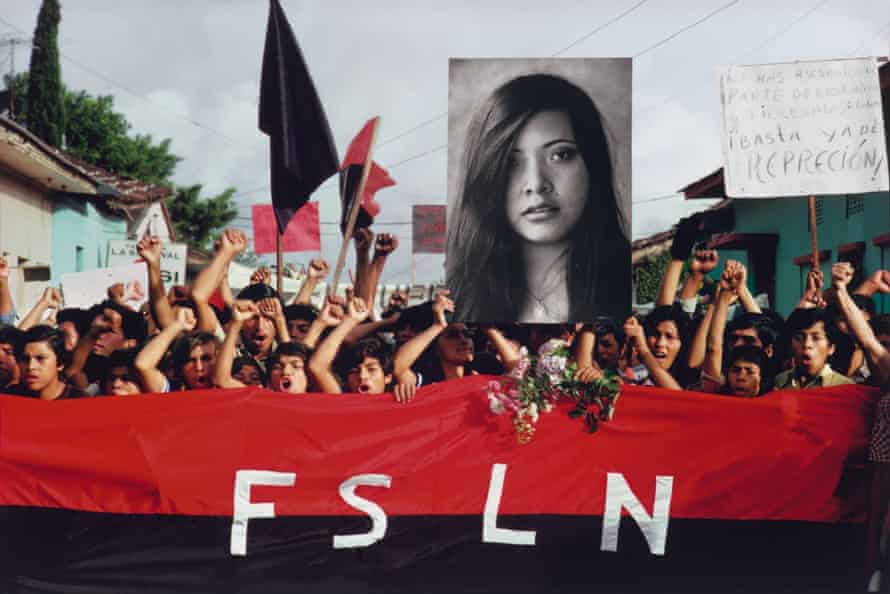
pixel 149 249
pixel 878 282
pixel 659 374
pixel 331 315
pixel 222 374
pixel 702 263
pixel 323 358
pixel 363 240
pixel 317 271
pixel 508 352
pixel 681 248
pixel 878 356
pixel 6 306
pixel 51 299
pixel 730 283
pixel 150 356
pixel 271 308
pixel 812 294
pixel 384 246
pixel 587 368
pixel 107 321
pixel 411 351
pixel 231 243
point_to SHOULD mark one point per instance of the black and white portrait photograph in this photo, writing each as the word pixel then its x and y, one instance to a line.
pixel 539 189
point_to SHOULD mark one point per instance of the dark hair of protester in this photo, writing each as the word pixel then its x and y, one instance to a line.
pixel 301 311
pixel 79 317
pixel 605 326
pixel 247 361
pixel 801 319
pixel 181 351
pixel 879 324
pixel 116 360
pixel 673 313
pixel 10 335
pixel 750 354
pixel 761 323
pixel 373 348
pixel 486 268
pixel 257 292
pixel 133 323
pixel 42 333
pixel 289 349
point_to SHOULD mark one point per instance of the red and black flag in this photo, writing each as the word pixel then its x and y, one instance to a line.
pixel 303 153
pixel 351 175
pixel 250 491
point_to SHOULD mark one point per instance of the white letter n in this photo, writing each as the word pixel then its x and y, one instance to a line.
pixel 654 527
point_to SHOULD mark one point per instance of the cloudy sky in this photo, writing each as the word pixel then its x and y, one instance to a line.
pixel 189 71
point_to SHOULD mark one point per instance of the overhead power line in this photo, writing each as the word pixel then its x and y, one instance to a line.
pixel 686 28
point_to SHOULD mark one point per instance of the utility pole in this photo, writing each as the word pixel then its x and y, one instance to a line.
pixel 11 43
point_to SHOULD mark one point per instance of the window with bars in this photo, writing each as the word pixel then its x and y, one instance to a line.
pixel 855 205
pixel 820 210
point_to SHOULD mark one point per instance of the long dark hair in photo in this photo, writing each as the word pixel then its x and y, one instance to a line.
pixel 486 270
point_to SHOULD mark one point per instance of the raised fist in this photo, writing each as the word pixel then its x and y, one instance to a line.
pixel 149 249
pixel 261 276
pixel 704 261
pixel 386 244
pixel 318 269
pixel 243 310
pixel 363 238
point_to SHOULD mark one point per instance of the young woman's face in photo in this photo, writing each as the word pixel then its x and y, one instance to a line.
pixel 548 181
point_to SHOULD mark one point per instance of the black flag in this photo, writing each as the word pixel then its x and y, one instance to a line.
pixel 303 154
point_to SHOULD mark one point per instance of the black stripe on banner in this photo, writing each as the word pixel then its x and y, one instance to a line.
pixel 60 551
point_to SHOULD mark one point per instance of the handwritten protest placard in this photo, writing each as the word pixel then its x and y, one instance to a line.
pixel 428 222
pixel 173 258
pixel 86 289
pixel 805 128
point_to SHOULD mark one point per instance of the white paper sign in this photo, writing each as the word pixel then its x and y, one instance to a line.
pixel 86 289
pixel 173 259
pixel 803 128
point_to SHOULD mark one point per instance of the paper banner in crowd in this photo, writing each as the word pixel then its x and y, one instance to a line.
pixel 303 153
pixel 86 289
pixel 351 175
pixel 251 491
pixel 805 128
pixel 302 233
pixel 428 225
pixel 173 258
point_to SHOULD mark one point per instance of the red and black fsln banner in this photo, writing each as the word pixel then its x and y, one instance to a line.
pixel 254 492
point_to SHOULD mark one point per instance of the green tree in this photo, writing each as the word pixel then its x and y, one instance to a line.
pixel 648 276
pixel 196 220
pixel 99 135
pixel 45 91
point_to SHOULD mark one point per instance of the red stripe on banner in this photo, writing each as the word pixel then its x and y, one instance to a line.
pixel 780 457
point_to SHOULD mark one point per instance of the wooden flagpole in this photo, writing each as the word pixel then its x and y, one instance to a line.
pixel 353 212
pixel 279 261
pixel 814 242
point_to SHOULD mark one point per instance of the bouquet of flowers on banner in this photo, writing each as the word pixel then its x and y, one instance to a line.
pixel 537 383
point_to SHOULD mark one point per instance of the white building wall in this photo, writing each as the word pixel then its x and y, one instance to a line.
pixel 25 238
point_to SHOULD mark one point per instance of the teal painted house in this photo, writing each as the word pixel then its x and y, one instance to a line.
pixel 772 236
pixel 81 231
pixel 83 224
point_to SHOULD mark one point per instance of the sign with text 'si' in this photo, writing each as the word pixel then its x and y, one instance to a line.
pixel 803 128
